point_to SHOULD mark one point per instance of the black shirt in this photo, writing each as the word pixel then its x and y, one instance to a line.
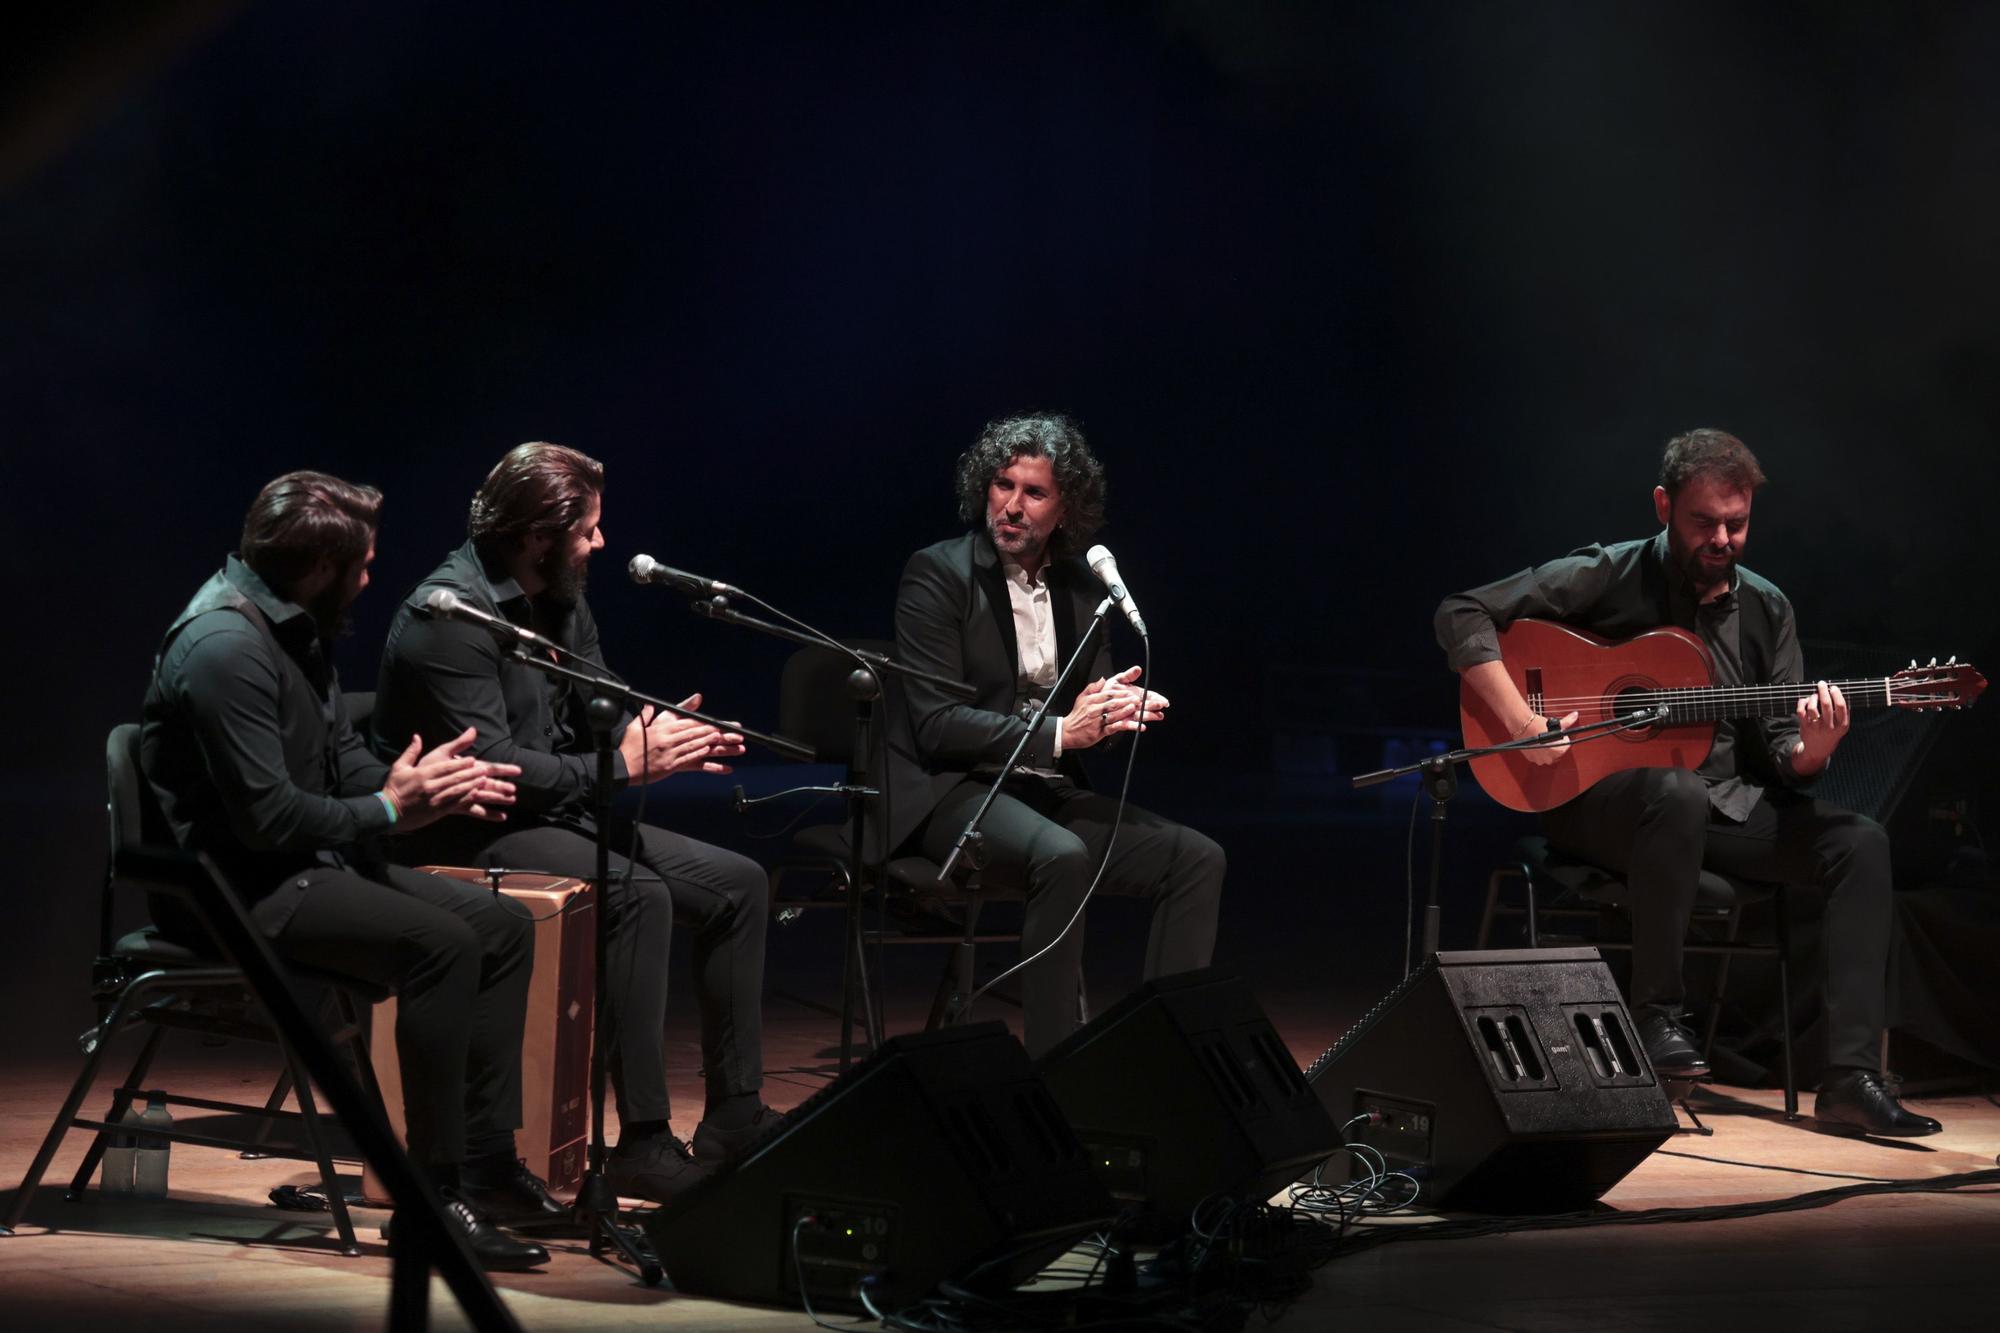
pixel 441 676
pixel 245 741
pixel 1624 589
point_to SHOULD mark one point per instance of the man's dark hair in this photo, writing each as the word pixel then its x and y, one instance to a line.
pixel 537 487
pixel 1079 476
pixel 1712 453
pixel 302 517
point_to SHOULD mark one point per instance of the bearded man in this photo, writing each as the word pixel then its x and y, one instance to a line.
pixel 535 522
pixel 1001 607
pixel 249 750
pixel 1743 811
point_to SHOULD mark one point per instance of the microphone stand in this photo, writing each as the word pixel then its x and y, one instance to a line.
pixel 596 1205
pixel 968 837
pixel 1441 781
pixel 864 687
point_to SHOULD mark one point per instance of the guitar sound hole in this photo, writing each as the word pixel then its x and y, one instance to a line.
pixel 1630 696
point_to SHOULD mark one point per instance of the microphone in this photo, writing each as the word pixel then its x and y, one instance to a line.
pixel 444 602
pixel 645 569
pixel 1105 566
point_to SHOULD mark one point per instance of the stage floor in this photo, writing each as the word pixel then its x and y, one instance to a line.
pixel 215 1255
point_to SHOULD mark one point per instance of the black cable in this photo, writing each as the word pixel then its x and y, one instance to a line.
pixel 799 1268
pixel 1468 1228
pixel 1771 1166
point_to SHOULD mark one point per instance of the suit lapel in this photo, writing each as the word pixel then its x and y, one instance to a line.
pixel 986 577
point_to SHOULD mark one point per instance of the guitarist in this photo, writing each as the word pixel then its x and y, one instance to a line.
pixel 1744 811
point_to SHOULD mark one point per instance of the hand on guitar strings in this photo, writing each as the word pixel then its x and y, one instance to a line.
pixel 1544 755
pixel 1823 719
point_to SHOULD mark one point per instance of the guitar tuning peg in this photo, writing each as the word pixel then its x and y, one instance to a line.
pixel 1913 664
pixel 1933 661
pixel 1952 660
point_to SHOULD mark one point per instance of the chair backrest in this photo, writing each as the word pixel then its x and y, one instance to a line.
pixel 814 706
pixel 133 814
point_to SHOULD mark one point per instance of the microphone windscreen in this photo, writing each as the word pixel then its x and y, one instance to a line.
pixel 641 568
pixel 442 602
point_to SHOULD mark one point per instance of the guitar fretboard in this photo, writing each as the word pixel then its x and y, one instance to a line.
pixel 1712 703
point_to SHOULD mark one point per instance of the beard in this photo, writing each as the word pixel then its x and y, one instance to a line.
pixel 330 614
pixel 563 582
pixel 1706 575
pixel 1023 544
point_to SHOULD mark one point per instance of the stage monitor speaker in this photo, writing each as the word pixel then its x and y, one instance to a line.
pixel 940 1156
pixel 1183 1090
pixel 1507 1081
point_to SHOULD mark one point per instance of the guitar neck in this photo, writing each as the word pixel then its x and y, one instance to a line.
pixel 1715 702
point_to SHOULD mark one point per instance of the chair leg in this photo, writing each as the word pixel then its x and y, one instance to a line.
pixel 1492 897
pixel 1534 909
pixel 274 1103
pixel 1784 924
pixel 329 1179
pixel 1721 982
pixel 964 959
pixel 58 1131
pixel 134 1084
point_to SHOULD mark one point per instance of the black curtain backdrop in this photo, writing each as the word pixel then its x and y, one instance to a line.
pixel 1359 303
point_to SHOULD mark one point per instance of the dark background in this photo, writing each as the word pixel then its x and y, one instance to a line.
pixel 1359 304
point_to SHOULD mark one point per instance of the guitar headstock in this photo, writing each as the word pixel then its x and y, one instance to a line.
pixel 1954 684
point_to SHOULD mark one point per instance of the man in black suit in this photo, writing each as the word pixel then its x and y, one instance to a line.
pixel 1001 608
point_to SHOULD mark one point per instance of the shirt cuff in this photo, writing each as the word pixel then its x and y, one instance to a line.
pixel 1059 727
pixel 370 815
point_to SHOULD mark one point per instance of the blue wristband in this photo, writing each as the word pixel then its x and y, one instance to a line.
pixel 389 805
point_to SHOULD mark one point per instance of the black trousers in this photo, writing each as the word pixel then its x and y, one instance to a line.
pixel 458 957
pixel 723 897
pixel 1045 837
pixel 1655 827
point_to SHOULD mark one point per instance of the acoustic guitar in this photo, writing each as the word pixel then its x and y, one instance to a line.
pixel 1560 670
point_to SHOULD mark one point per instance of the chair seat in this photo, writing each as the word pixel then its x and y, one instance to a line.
pixel 1581 881
pixel 148 948
pixel 828 840
pixel 915 876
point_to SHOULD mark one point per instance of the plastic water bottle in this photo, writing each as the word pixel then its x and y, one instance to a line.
pixel 114 1174
pixel 149 1167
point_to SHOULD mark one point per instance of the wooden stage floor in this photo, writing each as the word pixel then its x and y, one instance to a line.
pixel 216 1256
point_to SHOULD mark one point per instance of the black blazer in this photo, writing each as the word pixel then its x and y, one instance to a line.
pixel 954 619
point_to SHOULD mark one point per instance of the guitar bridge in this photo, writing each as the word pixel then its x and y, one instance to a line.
pixel 1534 690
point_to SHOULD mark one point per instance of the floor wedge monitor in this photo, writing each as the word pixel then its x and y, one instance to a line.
pixel 1506 1081
pixel 1184 1090
pixel 940 1156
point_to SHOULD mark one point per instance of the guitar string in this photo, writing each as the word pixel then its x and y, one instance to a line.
pixel 1701 703
pixel 1861 689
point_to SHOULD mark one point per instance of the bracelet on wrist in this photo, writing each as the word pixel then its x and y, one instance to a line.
pixel 389 804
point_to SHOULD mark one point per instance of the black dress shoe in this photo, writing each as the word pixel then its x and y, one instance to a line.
pixel 1852 1100
pixel 513 1196
pixel 1670 1046
pixel 496 1251
pixel 713 1146
pixel 658 1167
